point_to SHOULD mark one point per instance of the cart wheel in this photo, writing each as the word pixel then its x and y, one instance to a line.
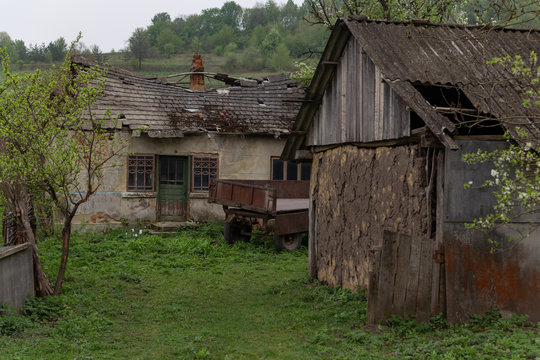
pixel 287 241
pixel 232 232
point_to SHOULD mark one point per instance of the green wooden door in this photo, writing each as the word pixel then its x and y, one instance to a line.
pixel 172 187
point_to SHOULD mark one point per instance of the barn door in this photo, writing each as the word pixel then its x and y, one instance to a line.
pixel 172 187
pixel 401 279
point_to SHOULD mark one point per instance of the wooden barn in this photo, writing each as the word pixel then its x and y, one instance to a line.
pixel 391 109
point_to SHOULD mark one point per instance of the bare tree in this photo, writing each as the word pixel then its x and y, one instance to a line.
pixel 51 142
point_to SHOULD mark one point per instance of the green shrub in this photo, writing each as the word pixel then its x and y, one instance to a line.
pixel 49 308
pixel 10 322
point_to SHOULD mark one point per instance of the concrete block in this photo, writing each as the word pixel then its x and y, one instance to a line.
pixel 16 275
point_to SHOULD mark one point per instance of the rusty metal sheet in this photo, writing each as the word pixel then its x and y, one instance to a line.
pixel 256 195
pixel 477 280
pixel 242 194
pixel 291 223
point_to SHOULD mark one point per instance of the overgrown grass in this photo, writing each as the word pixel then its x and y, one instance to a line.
pixel 192 296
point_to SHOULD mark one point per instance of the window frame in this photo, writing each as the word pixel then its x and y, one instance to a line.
pixel 153 190
pixel 192 175
pixel 285 162
pixel 158 175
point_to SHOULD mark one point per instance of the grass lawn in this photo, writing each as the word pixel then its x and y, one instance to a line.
pixel 194 297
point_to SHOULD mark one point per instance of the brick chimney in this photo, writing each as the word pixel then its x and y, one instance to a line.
pixel 196 81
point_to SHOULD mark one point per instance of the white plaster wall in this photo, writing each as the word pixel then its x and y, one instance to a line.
pixel 240 157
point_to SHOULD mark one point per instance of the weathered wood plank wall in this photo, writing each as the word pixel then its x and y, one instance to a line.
pixel 400 281
pixel 358 106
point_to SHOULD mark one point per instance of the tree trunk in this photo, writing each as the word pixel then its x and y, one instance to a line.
pixel 66 235
pixel 17 197
pixel 45 216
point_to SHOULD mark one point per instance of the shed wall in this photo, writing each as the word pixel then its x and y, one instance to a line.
pixel 358 105
pixel 356 194
pixel 478 278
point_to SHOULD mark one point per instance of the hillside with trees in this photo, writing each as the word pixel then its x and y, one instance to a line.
pixel 270 37
pixel 267 38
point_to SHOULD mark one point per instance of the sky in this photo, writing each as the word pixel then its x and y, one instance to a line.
pixel 106 23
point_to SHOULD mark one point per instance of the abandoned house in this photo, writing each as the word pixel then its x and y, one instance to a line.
pixel 390 111
pixel 179 138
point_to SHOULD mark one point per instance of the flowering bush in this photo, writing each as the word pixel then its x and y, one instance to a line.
pixel 516 170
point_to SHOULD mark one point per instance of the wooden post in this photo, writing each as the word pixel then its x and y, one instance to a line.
pixel 312 234
pixel 386 276
pixel 401 273
pixel 373 286
pixel 423 299
pixel 438 297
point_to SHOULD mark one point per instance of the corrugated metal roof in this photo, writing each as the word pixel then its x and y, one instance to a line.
pixel 434 54
pixel 454 55
pixel 164 110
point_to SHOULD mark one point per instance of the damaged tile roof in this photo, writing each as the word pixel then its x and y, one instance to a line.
pixel 418 52
pixel 265 107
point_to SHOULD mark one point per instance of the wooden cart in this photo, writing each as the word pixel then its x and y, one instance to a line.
pixel 268 206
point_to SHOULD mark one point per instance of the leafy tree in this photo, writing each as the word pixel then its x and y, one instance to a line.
pixel 19 51
pixel 326 12
pixel 271 12
pixel 57 49
pixel 211 21
pixel 178 25
pixel 139 45
pixel 304 72
pixel 509 13
pixel 307 40
pixel 192 29
pixel 97 54
pixel 6 43
pixel 290 15
pixel 257 36
pixel 281 58
pixel 231 14
pixel 223 37
pixel 515 177
pixel 36 53
pixel 271 41
pixel 254 17
pixel 167 42
pixel 251 59
pixel 160 22
pixel 51 143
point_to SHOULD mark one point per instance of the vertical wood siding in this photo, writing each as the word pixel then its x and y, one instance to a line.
pixel 358 105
